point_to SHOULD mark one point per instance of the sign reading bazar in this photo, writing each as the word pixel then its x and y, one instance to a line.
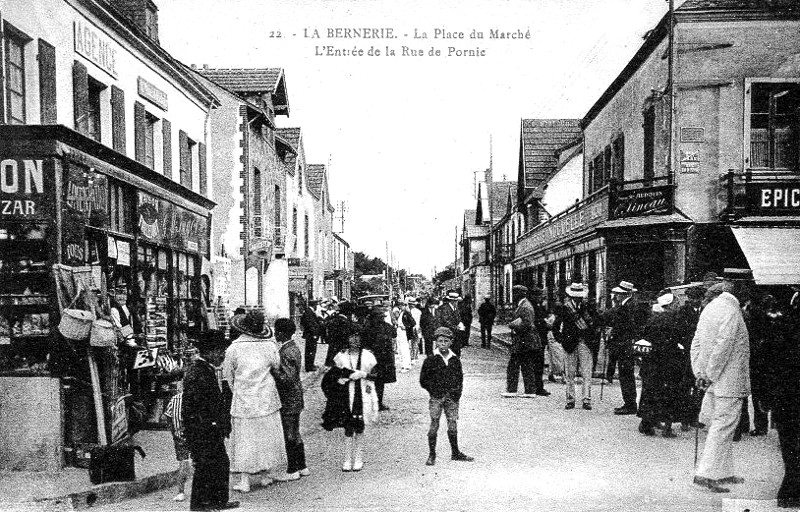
pixel 96 47
pixel 774 198
pixel 21 188
pixel 642 201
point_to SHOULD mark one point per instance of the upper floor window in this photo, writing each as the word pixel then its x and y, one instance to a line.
pixel 151 122
pixel 775 126
pixel 15 75
pixel 294 229
pixel 306 241
pixel 93 111
pixel 257 202
pixel 278 207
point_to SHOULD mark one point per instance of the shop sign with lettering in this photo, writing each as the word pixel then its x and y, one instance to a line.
pixel 563 228
pixel 152 93
pixel 164 223
pixel 96 47
pixel 22 188
pixel 774 198
pixel 642 201
pixel 86 195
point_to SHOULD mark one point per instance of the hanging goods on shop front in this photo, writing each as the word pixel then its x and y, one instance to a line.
pixel 76 324
pixel 103 333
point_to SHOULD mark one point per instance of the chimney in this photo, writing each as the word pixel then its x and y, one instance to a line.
pixel 143 14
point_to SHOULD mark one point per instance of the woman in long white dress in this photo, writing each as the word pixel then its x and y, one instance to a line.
pixel 256 441
pixel 403 347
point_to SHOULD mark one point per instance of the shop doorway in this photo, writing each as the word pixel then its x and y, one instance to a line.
pixel 641 264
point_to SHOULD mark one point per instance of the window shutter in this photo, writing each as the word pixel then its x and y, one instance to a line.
pixel 80 94
pixel 201 163
pixel 139 126
pixel 167 134
pixel 47 82
pixel 118 119
pixel 183 146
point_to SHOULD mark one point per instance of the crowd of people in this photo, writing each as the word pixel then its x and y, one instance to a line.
pixel 699 359
pixel 699 355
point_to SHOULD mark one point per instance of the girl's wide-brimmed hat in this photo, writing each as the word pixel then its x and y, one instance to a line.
pixel 577 290
pixel 252 323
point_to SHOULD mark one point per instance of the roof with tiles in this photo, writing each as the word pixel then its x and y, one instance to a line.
pixel 471 229
pixel 539 141
pixel 315 179
pixel 244 80
pixel 498 197
pixel 740 5
pixel 292 137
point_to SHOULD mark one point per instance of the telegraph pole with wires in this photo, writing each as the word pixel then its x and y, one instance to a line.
pixel 671 90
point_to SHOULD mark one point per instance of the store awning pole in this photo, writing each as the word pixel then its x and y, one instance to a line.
pixel 100 416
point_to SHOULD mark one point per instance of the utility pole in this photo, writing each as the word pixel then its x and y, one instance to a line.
pixel 671 89
pixel 388 272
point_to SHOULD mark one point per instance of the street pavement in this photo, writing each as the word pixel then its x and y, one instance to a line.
pixel 530 453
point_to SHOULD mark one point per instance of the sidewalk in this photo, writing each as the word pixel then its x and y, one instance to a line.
pixel 70 489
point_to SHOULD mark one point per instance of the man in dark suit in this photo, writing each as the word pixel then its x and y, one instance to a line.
pixel 427 324
pixel 626 320
pixel 525 344
pixel 447 315
pixel 486 314
pixel 207 423
pixel 312 328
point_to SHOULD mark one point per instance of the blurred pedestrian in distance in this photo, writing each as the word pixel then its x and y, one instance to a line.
pixel 427 324
pixel 486 315
pixel 465 314
pixel 312 326
pixel 399 312
pixel 447 315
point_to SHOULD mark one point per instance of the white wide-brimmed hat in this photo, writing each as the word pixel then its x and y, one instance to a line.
pixel 624 287
pixel 665 299
pixel 453 295
pixel 577 290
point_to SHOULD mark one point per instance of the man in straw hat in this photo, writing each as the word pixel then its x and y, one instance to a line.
pixel 447 315
pixel 721 362
pixel 626 320
pixel 206 424
pixel 574 329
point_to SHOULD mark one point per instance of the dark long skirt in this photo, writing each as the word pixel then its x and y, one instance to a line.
pixel 211 476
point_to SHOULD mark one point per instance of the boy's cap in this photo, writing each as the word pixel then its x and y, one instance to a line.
pixel 443 331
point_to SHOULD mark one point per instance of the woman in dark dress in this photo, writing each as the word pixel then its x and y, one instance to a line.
pixel 662 370
pixel 378 336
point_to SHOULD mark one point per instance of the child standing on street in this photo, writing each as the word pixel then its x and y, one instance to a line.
pixel 443 378
pixel 173 412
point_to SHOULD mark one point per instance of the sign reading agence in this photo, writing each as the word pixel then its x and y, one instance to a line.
pixel 96 47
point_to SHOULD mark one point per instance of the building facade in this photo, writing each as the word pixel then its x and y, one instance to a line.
pixel 671 193
pixel 105 204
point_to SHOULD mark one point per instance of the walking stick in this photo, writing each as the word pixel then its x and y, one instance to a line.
pixel 604 341
pixel 696 442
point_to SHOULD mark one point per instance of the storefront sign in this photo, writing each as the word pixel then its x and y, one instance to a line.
pixel 96 47
pixel 123 253
pixel 145 358
pixel 774 198
pixel 152 93
pixel 112 247
pixel 690 162
pixel 21 188
pixel 165 223
pixel 562 228
pixel 643 201
pixel 86 194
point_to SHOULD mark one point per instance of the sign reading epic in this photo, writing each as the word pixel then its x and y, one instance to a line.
pixel 775 198
pixel 21 187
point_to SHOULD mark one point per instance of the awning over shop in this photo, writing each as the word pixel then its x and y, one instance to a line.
pixel 773 253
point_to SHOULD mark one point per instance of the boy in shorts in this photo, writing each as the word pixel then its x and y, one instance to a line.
pixel 442 377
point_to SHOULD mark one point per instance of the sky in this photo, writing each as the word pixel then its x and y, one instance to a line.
pixel 405 135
